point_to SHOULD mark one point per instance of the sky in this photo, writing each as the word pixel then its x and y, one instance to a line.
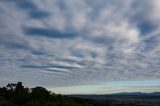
pixel 81 46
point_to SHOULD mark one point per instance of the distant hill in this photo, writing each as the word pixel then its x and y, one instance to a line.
pixel 118 94
pixel 138 93
pixel 124 96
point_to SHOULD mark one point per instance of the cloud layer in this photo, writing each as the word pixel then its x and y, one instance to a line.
pixel 69 42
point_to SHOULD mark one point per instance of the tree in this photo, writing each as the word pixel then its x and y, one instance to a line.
pixel 21 94
pixel 40 94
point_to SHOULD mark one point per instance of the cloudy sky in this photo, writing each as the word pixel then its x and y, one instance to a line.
pixel 81 46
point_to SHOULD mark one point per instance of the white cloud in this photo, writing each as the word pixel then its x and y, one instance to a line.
pixel 108 45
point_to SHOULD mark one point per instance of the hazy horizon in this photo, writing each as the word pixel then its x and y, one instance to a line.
pixel 81 46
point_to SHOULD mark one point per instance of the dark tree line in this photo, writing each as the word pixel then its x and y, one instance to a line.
pixel 18 95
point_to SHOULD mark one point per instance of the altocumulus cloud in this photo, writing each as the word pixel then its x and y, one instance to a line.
pixel 76 42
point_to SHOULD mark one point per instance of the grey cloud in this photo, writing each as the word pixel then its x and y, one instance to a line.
pixel 25 4
pixel 142 17
pixel 51 33
pixel 31 8
pixel 38 52
pixel 50 66
pixel 151 43
pixel 38 14
pixel 13 45
pixel 23 46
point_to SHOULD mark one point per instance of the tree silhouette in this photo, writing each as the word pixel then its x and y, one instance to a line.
pixel 40 94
